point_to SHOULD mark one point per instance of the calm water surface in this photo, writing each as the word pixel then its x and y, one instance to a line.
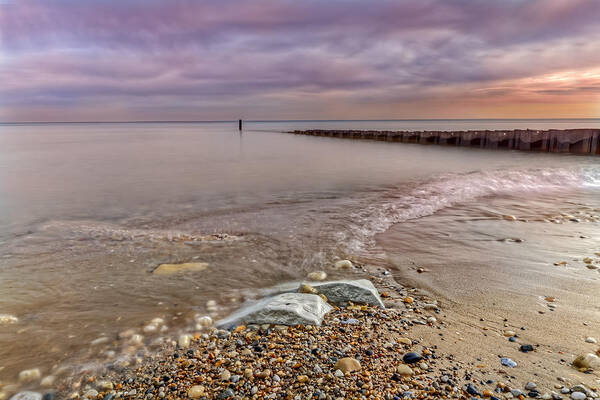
pixel 87 211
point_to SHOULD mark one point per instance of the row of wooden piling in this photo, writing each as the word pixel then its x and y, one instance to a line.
pixel 576 141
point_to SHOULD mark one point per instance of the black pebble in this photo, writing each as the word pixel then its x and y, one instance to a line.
pixel 411 358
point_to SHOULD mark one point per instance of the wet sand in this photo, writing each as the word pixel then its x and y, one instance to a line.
pixel 496 284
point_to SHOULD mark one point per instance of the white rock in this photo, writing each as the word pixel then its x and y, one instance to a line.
pixel 184 341
pixel 98 341
pixel 8 319
pixel 30 375
pixel 48 381
pixel 27 396
pixel 205 322
pixel 578 396
pixel 136 339
pixel 590 340
pixel 343 264
pixel 588 360
pixel 359 291
pixel 283 309
pixel 317 276
pixel 530 386
pixel 126 334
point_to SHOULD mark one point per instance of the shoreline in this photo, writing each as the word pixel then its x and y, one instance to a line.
pixel 571 141
pixel 215 364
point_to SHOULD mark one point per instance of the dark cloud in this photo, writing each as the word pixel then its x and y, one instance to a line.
pixel 286 55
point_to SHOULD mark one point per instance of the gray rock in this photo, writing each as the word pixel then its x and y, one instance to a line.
pixel 359 291
pixel 578 396
pixel 283 309
pixel 530 386
pixel 27 396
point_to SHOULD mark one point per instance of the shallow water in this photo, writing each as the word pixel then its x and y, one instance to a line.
pixel 87 211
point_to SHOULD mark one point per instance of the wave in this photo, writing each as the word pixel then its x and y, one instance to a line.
pixel 453 189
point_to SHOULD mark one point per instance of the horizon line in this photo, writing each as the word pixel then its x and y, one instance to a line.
pixel 291 120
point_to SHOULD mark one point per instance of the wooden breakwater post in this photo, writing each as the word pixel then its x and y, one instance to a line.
pixel 574 141
pixel 240 124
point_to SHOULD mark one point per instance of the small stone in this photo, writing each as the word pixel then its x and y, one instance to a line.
pixel 343 264
pixel 27 396
pixel 406 341
pixel 404 370
pixel 526 348
pixel 184 341
pixel 168 269
pixel 590 340
pixel 90 394
pixel 48 381
pixel 509 217
pixel 104 385
pixel 509 333
pixel 195 392
pixel 338 373
pixel 317 276
pixel 587 361
pixel 29 375
pixel 264 374
pixel 347 364
pixel 530 386
pixel 508 362
pixel 411 358
pixel 423 366
pixel 306 288
pixel 408 300
pixel 204 322
pixel 303 379
pixel 226 394
pixel 225 375
pixel 578 396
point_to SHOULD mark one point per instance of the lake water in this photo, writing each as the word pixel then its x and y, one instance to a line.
pixel 87 211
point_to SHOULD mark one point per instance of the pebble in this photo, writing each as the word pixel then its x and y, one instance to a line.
pixel 306 288
pixel 91 394
pixel 196 392
pixel 226 394
pixel 587 361
pixel 338 373
pixel 29 375
pixel 590 340
pixel 48 381
pixel 343 264
pixel 578 396
pixel 508 362
pixel 530 386
pixel 404 370
pixel 411 358
pixel 27 396
pixel 526 348
pixel 347 364
pixel 317 276
pixel 184 341
pixel 225 375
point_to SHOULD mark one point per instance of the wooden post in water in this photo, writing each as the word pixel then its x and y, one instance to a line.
pixel 240 124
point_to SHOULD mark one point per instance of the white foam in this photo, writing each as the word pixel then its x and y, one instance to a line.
pixel 453 189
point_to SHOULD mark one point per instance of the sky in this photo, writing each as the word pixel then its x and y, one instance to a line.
pixel 132 60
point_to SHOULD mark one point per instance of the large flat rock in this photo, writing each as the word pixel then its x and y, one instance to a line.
pixel 359 291
pixel 282 309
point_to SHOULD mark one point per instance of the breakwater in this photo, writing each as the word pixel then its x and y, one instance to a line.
pixel 575 141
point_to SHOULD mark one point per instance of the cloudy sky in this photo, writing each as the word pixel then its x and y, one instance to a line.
pixel 69 60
